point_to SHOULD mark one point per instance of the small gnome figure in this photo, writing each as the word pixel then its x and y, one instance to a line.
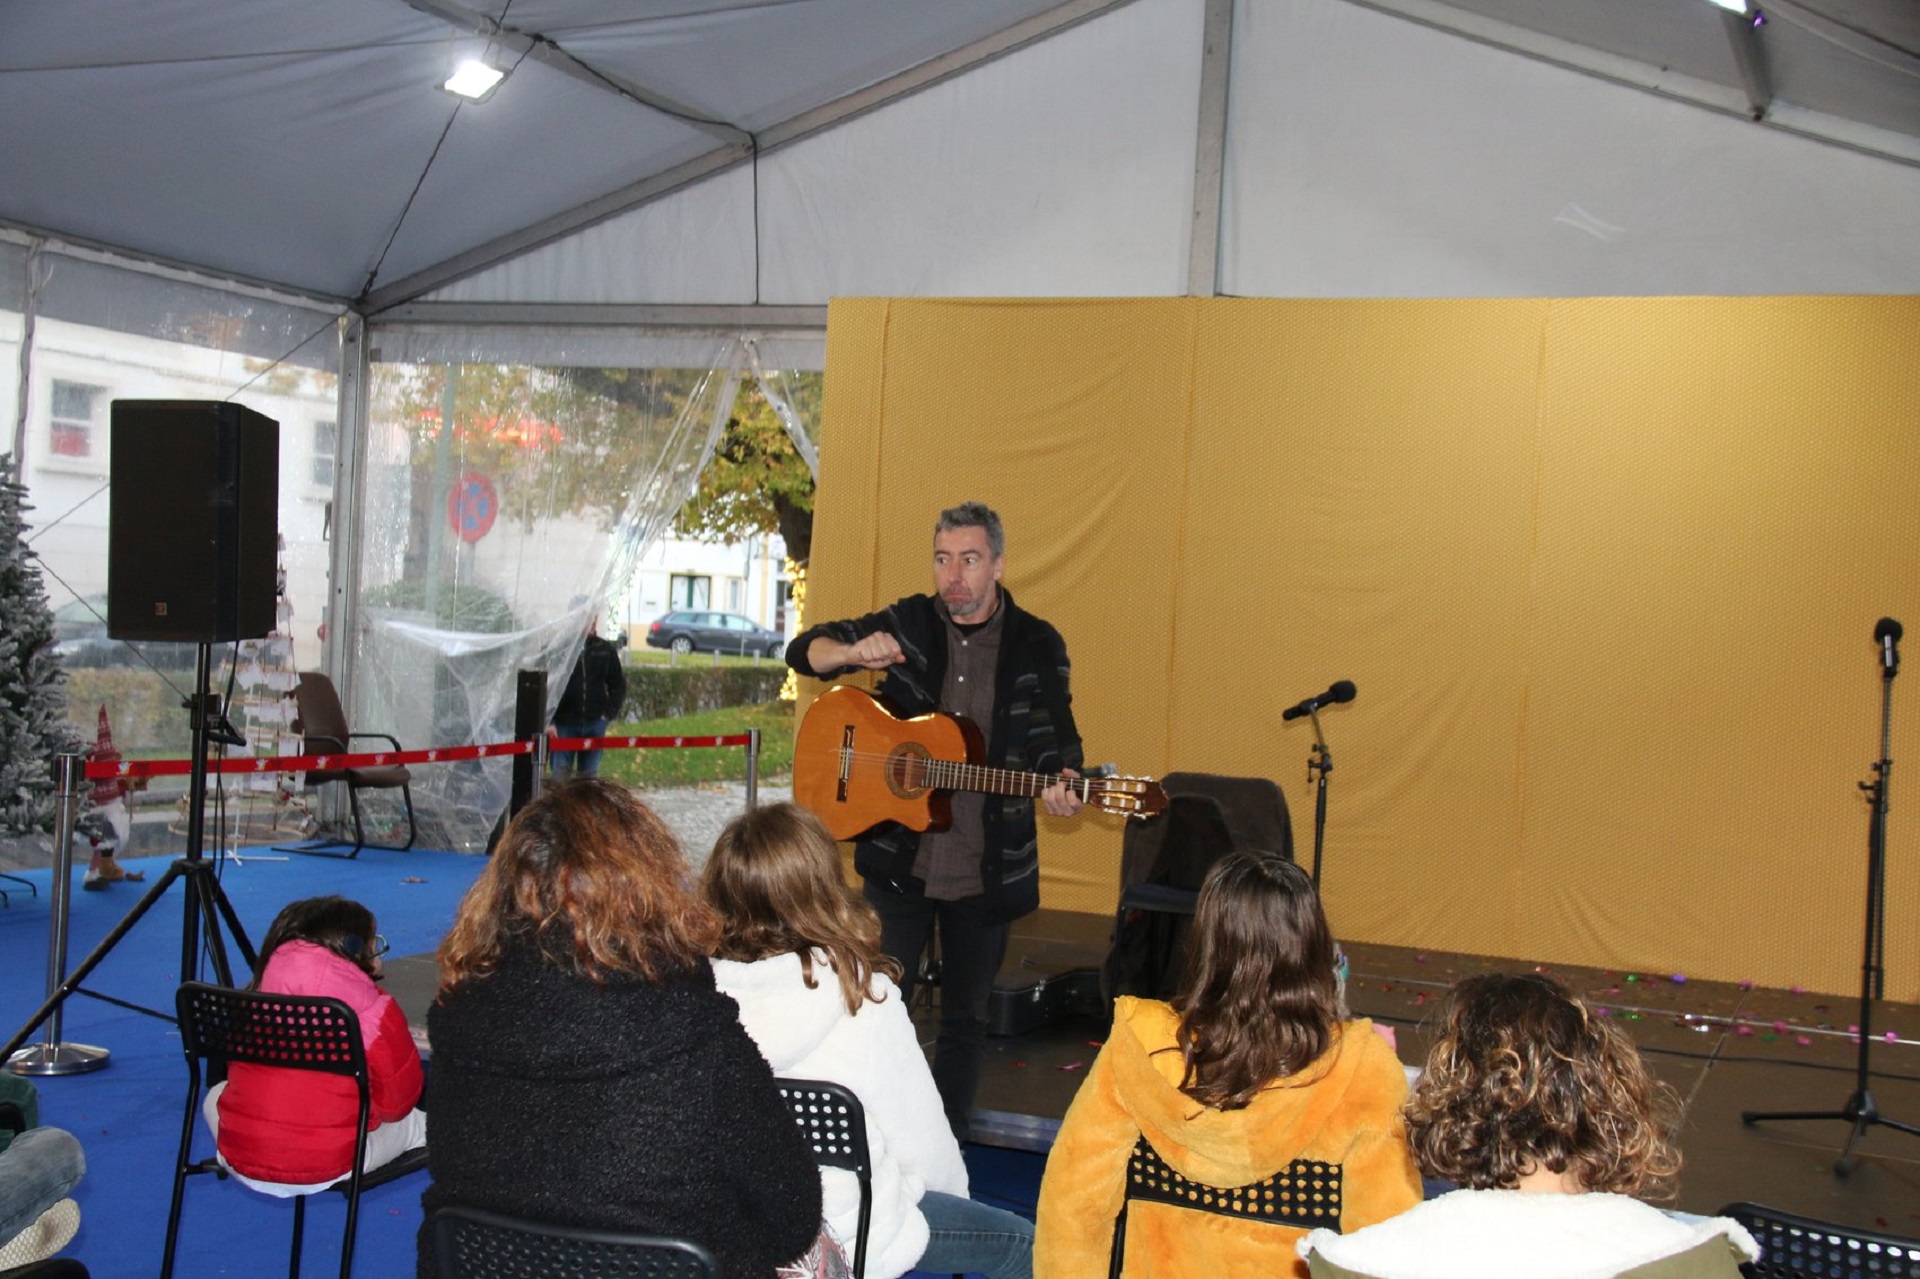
pixel 111 824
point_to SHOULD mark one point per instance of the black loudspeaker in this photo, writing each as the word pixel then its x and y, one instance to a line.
pixel 193 521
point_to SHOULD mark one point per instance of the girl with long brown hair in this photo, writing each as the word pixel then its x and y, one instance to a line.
pixel 585 1070
pixel 800 954
pixel 1248 1076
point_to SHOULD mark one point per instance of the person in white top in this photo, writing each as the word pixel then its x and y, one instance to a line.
pixel 1545 1115
pixel 800 953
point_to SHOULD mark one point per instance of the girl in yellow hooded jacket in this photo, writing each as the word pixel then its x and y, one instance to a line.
pixel 1248 1083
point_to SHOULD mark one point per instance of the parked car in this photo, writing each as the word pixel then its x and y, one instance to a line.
pixel 696 630
pixel 80 638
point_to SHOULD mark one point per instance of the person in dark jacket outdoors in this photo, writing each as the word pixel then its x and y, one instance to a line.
pixel 586 1071
pixel 592 699
pixel 969 650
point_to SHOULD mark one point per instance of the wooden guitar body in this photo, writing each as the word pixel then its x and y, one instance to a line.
pixel 855 764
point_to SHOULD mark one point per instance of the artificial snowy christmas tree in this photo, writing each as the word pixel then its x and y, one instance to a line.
pixel 33 701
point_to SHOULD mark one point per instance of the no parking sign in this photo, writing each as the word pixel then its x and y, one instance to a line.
pixel 471 506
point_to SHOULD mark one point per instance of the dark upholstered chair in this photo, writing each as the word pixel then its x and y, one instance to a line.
pixel 1163 861
pixel 323 726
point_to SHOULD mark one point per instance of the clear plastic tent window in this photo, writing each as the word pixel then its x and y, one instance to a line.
pixel 504 505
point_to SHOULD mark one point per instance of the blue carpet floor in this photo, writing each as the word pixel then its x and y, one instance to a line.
pixel 127 1116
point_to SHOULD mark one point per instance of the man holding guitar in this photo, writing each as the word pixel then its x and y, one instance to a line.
pixel 970 651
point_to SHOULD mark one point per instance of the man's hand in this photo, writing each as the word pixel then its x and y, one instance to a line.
pixel 875 652
pixel 1058 800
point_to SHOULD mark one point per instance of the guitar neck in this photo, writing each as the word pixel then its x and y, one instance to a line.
pixel 952 775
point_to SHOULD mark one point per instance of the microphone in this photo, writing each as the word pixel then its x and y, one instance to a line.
pixel 1340 691
pixel 1888 632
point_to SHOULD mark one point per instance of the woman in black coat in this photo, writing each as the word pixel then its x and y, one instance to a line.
pixel 585 1070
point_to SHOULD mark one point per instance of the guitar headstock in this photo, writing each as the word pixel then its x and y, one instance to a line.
pixel 1137 797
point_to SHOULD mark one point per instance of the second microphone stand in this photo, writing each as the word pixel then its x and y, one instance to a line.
pixel 1860 1109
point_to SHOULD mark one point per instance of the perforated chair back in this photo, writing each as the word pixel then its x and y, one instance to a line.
pixel 220 1026
pixel 1796 1247
pixel 1304 1195
pixel 471 1243
pixel 835 1125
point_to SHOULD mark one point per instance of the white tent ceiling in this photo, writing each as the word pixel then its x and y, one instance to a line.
pixel 738 152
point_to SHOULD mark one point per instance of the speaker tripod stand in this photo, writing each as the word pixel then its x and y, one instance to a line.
pixel 205 902
pixel 1860 1109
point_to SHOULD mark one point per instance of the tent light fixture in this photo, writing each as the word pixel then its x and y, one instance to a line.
pixel 474 77
pixel 1745 9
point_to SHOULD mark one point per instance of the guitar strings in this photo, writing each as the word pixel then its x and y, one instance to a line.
pixel 933 770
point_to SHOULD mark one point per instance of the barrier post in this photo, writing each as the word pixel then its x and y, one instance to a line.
pixel 753 767
pixel 529 725
pixel 51 1057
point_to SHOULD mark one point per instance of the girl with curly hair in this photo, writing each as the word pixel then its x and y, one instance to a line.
pixel 800 953
pixel 1546 1116
pixel 1250 1075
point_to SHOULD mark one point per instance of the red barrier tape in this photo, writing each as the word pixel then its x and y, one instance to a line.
pixel 387 759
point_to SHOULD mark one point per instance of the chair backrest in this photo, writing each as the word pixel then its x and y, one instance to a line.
pixel 471 1243
pixel 295 1032
pixel 1304 1195
pixel 1796 1247
pixel 834 1123
pixel 323 721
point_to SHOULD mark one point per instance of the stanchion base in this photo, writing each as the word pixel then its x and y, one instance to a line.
pixel 58 1059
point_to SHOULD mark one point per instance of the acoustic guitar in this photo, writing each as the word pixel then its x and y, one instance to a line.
pixel 857 764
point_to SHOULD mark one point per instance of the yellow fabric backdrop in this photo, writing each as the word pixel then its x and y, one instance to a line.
pixel 1605 572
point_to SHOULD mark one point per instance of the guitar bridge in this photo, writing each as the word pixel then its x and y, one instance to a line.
pixel 846 763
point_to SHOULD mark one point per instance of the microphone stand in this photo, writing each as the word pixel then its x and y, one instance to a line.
pixel 1319 764
pixel 1860 1109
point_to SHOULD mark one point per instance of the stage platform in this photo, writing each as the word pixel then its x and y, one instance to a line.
pixel 1724 1047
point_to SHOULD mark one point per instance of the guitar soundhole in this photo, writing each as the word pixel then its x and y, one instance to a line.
pixel 907 770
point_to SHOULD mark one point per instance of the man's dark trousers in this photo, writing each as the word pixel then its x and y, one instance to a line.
pixel 973 942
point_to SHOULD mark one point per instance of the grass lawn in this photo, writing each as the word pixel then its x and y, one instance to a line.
pixel 688 767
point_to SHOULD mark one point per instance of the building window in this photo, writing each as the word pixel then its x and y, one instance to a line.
pixel 326 442
pixel 688 591
pixel 736 594
pixel 73 418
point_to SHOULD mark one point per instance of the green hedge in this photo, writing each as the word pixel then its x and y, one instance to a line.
pixel 656 692
pixel 145 709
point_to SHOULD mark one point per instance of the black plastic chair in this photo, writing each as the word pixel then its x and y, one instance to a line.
pixel 1304 1195
pixel 324 731
pixel 220 1026
pixel 471 1243
pixel 51 1268
pixel 1796 1247
pixel 835 1125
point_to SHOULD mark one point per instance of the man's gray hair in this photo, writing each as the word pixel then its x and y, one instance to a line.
pixel 974 515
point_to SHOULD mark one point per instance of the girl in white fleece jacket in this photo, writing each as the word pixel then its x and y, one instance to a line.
pixel 801 956
pixel 1545 1115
